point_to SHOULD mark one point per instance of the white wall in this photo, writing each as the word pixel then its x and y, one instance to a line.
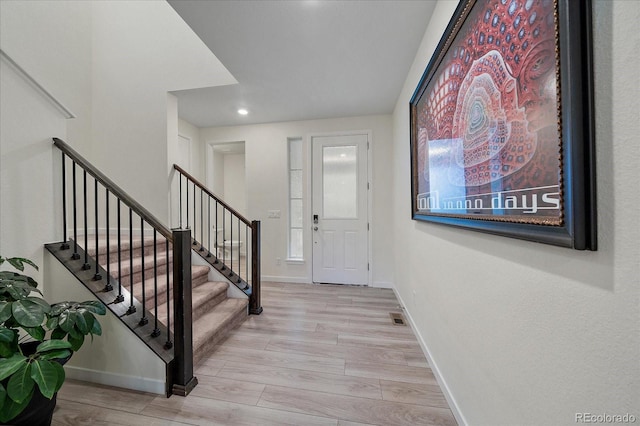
pixel 218 173
pixel 235 190
pixel 525 333
pixel 192 132
pixel 267 186
pixel 118 357
pixel 27 163
pixel 142 50
pixel 112 64
pixel 52 42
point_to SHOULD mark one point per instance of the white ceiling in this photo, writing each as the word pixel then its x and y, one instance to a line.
pixel 307 59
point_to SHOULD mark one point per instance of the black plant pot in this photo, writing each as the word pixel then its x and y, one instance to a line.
pixel 39 411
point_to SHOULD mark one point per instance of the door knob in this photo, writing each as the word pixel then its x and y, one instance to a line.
pixel 315 228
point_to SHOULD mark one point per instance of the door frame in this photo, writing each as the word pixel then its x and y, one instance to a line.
pixel 308 223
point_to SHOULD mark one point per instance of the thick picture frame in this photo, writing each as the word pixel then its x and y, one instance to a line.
pixel 502 123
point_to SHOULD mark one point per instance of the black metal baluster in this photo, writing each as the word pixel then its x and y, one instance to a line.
pixel 156 330
pixel 180 203
pixel 201 222
pixel 169 344
pixel 96 276
pixel 239 247
pixel 108 287
pixel 209 225
pixel 131 309
pixel 246 253
pixel 65 244
pixel 75 255
pixel 231 245
pixel 215 237
pixel 194 234
pixel 144 320
pixel 224 241
pixel 187 203
pixel 86 265
pixel 119 297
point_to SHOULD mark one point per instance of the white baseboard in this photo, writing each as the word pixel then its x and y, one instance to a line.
pixel 113 379
pixel 382 284
pixel 298 280
pixel 434 367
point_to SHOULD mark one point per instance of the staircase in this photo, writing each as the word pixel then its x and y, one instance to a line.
pixel 214 314
pixel 148 280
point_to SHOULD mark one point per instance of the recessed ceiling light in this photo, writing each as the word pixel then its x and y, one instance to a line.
pixel 243 111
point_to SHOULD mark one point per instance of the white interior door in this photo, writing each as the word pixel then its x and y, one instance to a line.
pixel 340 234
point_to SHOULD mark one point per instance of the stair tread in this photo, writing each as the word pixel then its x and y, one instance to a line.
pixel 113 242
pixel 222 315
pixel 197 271
pixel 200 295
pixel 137 262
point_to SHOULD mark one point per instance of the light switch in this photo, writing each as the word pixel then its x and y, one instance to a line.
pixel 274 214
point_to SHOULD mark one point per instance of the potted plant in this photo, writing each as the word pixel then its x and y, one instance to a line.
pixel 36 338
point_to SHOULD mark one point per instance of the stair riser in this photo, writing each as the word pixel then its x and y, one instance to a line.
pixel 137 273
pixel 196 280
pixel 137 252
pixel 208 305
pixel 221 334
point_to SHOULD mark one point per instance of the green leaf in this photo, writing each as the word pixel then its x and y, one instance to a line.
pixel 20 384
pixel 96 329
pixel 28 313
pixel 7 335
pixel 61 375
pixel 52 323
pixel 16 286
pixel 94 306
pixel 5 310
pixel 67 320
pixel 75 333
pixel 18 263
pixel 89 319
pixel 37 333
pixel 59 308
pixel 11 408
pixel 81 323
pixel 8 366
pixel 76 342
pixel 58 334
pixel 59 354
pixel 51 345
pixel 8 349
pixel 3 396
pixel 47 376
pixel 40 301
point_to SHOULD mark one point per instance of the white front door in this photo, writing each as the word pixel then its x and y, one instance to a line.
pixel 340 234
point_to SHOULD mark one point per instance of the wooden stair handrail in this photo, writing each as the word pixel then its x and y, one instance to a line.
pixel 212 195
pixel 114 189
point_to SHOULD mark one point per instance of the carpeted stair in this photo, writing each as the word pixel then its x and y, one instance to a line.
pixel 214 314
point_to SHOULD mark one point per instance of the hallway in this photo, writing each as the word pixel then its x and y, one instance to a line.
pixel 318 355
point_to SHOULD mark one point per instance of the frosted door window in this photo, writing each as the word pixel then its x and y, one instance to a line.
pixel 296 207
pixel 340 182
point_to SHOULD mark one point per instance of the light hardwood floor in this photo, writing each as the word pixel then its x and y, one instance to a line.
pixel 318 355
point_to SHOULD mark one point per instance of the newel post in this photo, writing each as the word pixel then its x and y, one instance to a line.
pixel 255 305
pixel 183 379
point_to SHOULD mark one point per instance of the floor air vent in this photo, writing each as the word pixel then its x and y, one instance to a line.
pixel 396 318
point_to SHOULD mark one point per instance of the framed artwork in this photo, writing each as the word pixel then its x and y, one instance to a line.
pixel 502 132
